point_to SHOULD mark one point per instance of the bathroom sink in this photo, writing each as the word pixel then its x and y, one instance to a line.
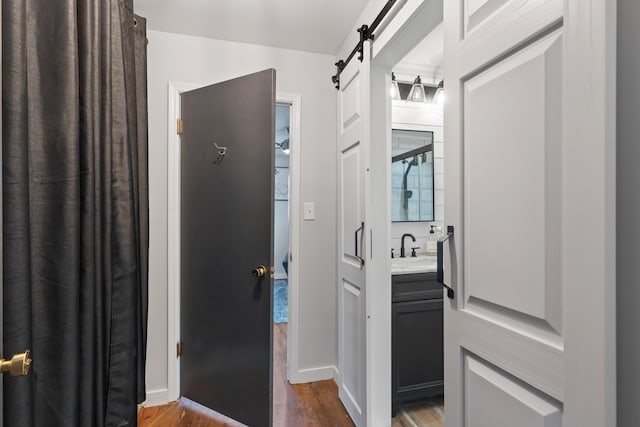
pixel 411 265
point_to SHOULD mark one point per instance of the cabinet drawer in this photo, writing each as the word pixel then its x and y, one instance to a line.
pixel 413 287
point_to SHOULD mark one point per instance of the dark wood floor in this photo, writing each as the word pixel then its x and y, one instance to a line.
pixel 423 413
pixel 311 404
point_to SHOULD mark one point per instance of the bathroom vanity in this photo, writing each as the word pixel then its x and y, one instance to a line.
pixel 417 334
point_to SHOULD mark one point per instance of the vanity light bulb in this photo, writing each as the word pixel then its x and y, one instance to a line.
pixel 417 91
pixel 394 90
pixel 438 97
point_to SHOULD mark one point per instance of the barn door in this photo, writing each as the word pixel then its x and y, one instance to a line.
pixel 529 116
pixel 353 148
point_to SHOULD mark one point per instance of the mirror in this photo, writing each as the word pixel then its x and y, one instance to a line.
pixel 411 176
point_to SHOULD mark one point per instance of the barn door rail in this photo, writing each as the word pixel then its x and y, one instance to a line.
pixel 366 33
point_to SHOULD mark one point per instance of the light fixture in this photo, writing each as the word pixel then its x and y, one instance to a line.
pixel 284 146
pixel 438 97
pixel 417 91
pixel 395 89
pixel 283 135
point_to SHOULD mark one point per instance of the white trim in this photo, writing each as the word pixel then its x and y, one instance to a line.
pixel 280 276
pixel 378 293
pixel 293 330
pixel 173 239
pixel 314 374
pixel 411 24
pixel 589 222
pixel 157 398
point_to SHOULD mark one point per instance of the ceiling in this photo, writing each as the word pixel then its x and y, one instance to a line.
pixel 308 25
pixel 426 59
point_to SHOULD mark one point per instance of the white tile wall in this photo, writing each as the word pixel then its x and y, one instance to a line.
pixel 428 118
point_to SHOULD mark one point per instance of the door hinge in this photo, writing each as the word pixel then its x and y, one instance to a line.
pixel 179 126
pixel 178 349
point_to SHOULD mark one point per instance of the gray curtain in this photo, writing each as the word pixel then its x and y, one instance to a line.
pixel 75 200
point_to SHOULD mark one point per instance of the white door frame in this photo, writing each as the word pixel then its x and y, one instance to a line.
pixel 173 238
pixel 412 23
pixel 407 25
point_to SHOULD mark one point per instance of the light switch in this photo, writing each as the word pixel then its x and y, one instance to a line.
pixel 309 211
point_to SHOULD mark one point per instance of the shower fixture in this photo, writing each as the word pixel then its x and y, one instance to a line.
pixel 284 146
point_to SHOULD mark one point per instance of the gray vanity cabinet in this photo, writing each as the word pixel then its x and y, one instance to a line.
pixel 417 338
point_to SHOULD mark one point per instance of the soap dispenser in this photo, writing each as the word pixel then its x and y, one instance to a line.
pixel 432 242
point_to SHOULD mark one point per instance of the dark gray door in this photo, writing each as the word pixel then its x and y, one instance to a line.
pixel 226 233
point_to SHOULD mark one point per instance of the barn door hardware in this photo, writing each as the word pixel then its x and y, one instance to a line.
pixel 440 262
pixel 361 231
pixel 366 33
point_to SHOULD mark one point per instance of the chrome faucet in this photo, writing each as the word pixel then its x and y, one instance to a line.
pixel 402 245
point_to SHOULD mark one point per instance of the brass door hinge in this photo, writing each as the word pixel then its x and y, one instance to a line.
pixel 178 349
pixel 180 126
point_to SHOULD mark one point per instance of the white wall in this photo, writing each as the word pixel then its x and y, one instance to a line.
pixel 187 59
pixel 628 213
pixel 426 117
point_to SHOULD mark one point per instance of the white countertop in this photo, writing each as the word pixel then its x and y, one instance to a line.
pixel 412 265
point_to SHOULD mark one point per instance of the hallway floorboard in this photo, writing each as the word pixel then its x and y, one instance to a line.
pixel 299 405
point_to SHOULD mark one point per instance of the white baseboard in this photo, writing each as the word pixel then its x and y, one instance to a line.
pixel 314 374
pixel 157 398
pixel 336 374
pixel 280 276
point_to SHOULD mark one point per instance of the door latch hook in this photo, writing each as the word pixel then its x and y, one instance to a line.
pixel 222 151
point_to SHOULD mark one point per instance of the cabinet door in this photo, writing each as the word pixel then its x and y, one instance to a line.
pixel 417 349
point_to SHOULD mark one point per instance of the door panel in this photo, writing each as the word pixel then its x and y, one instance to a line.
pixel 352 240
pixel 353 380
pixel 350 102
pixel 491 337
pixel 514 170
pixel 351 197
pixel 516 403
pixel 226 232
pixel 477 11
pixel 490 18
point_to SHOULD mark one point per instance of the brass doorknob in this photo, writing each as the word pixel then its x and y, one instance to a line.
pixel 18 365
pixel 260 271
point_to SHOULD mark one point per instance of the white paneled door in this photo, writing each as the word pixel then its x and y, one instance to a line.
pixel 353 147
pixel 529 334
